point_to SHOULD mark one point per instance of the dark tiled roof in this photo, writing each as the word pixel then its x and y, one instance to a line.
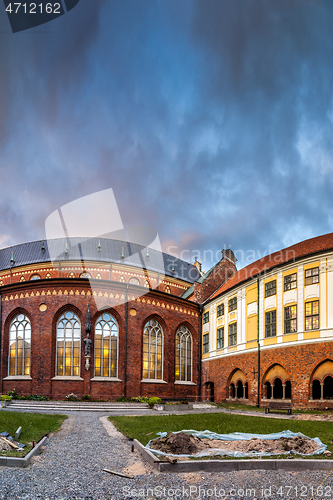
pixel 111 251
pixel 276 259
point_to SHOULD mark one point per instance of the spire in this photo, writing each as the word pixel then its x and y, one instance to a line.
pixel 122 253
pixel 99 248
pixel 43 247
pixel 12 261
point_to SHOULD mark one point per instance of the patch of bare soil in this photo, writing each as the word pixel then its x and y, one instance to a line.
pixel 328 416
pixel 66 427
pixel 185 444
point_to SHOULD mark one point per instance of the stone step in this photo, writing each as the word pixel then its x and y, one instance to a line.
pixel 77 406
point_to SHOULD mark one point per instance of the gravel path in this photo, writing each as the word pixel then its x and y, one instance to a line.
pixel 71 468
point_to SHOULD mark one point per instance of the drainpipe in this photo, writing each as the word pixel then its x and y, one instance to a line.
pixel 126 329
pixel 200 352
pixel 258 342
pixel 1 343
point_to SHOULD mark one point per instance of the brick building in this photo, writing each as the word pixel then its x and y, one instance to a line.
pixel 110 318
pixel 267 331
pixel 143 333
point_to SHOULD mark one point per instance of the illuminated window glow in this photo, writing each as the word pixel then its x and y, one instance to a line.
pixel 152 351
pixel 106 346
pixel 68 345
pixel 19 346
pixel 183 364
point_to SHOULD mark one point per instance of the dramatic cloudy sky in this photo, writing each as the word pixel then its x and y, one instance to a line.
pixel 210 119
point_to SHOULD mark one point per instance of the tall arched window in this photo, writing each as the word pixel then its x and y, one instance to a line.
pixel 68 345
pixel 183 365
pixel 106 346
pixel 152 350
pixel 19 346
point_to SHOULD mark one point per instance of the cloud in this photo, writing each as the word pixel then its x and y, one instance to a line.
pixel 211 121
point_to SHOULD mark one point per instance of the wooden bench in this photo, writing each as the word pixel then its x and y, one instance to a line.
pixel 279 405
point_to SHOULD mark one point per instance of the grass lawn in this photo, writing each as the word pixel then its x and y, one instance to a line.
pixel 144 428
pixel 242 407
pixel 34 427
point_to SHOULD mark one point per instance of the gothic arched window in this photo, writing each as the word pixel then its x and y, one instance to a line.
pixel 106 346
pixel 85 275
pixel 35 277
pixel 152 351
pixel 183 365
pixel 19 346
pixel 134 281
pixel 68 345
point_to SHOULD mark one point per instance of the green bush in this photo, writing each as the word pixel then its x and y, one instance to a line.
pixel 122 399
pixel 154 401
pixel 4 397
pixel 35 397
pixel 86 397
pixel 71 397
pixel 13 394
pixel 139 399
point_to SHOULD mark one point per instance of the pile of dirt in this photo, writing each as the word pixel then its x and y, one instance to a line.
pixel 273 446
pixel 4 446
pixel 186 444
pixel 178 444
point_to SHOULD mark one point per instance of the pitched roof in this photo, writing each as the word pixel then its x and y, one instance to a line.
pixel 202 278
pixel 276 259
pixel 111 251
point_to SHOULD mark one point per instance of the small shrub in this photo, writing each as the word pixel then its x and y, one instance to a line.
pixel 71 397
pixel 154 401
pixel 4 397
pixel 122 399
pixel 13 394
pixel 35 397
pixel 86 397
pixel 139 399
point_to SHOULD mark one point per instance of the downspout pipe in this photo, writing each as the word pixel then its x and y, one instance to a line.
pixel 126 330
pixel 1 343
pixel 200 352
pixel 258 342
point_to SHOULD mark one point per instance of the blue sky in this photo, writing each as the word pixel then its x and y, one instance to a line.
pixel 211 120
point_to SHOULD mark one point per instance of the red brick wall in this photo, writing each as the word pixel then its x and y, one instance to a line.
pixel 220 274
pixel 299 361
pixel 43 341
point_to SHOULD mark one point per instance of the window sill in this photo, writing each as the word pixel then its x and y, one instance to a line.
pixel 105 379
pixel 153 381
pixel 182 382
pixel 67 377
pixel 18 377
